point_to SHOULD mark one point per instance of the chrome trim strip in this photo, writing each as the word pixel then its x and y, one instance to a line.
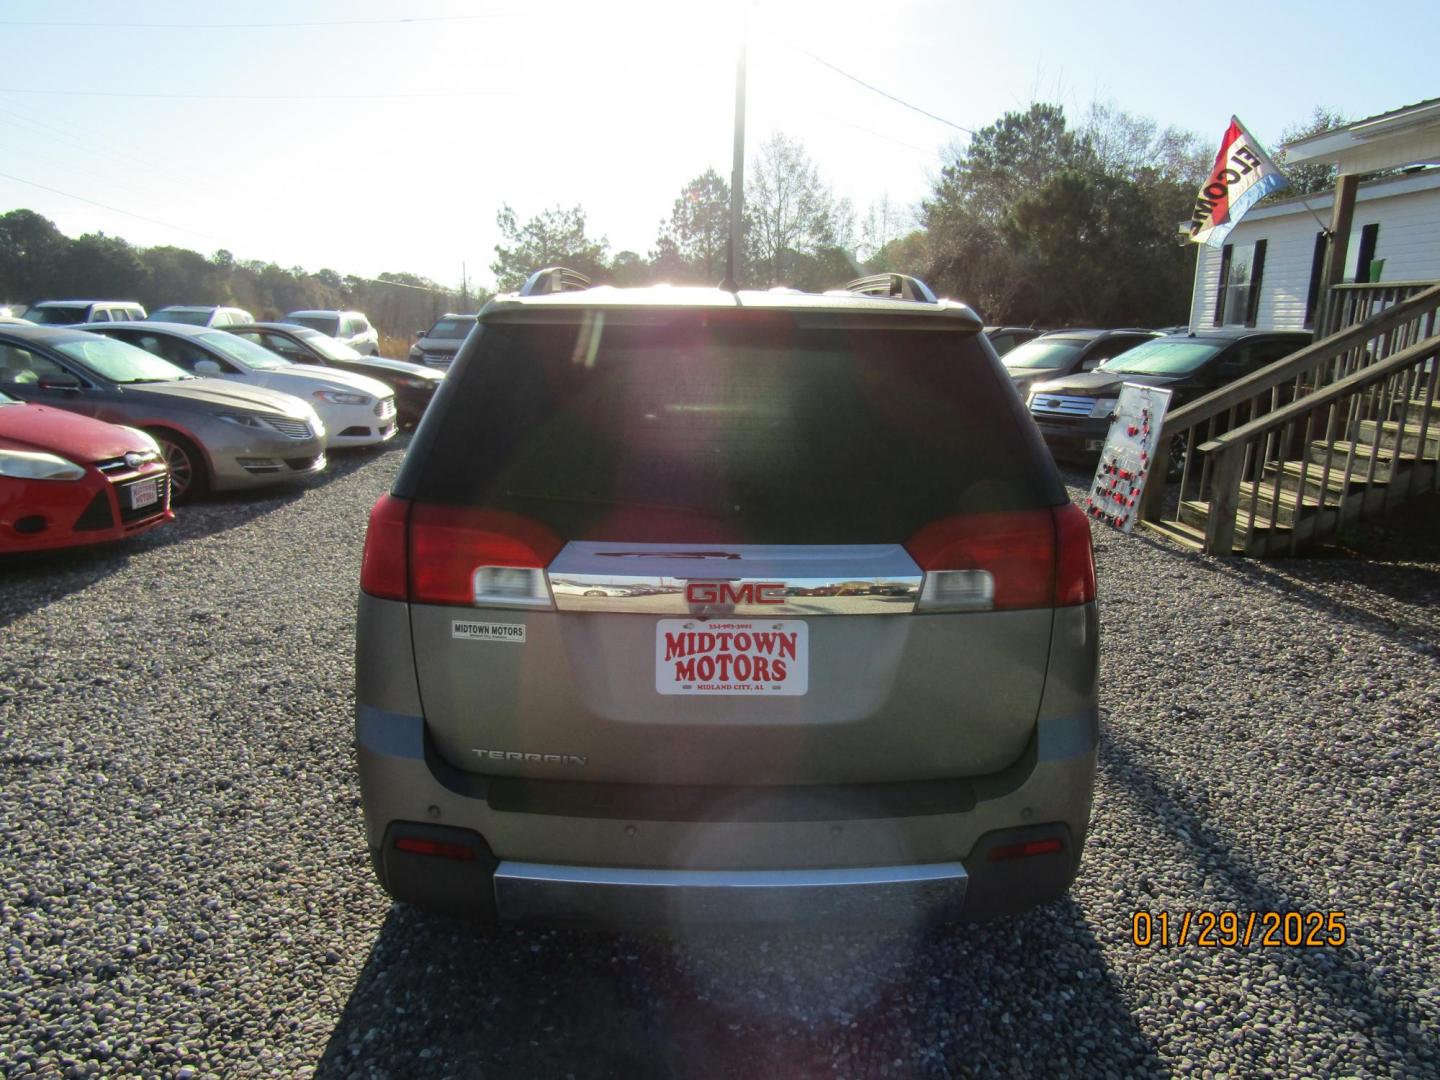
pixel 1062 405
pixel 808 580
pixel 890 895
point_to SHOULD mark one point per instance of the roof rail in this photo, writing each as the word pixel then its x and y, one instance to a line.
pixel 902 286
pixel 554 279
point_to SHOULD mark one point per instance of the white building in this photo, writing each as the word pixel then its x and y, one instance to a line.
pixel 1270 270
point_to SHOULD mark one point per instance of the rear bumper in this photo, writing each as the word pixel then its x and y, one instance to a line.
pixel 549 868
pixel 618 896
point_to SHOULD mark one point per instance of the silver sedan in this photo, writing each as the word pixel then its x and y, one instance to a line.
pixel 215 435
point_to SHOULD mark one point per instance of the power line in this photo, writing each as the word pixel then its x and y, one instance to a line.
pixel 876 90
pixel 928 152
pixel 261 97
pixel 258 25
pixel 112 209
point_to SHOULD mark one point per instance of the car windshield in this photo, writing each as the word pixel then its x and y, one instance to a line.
pixel 243 352
pixel 1163 358
pixel 55 316
pixel 327 346
pixel 326 324
pixel 189 316
pixel 451 329
pixel 119 362
pixel 1042 353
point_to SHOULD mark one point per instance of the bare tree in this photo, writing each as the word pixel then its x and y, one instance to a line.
pixel 790 212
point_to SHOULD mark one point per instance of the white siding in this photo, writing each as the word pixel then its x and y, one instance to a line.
pixel 1407 211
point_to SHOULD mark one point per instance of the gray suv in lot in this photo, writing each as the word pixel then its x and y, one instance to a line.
pixel 691 606
pixel 437 346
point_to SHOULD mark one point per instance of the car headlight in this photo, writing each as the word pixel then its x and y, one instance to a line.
pixel 340 397
pixel 1104 408
pixel 34 465
pixel 415 351
pixel 246 420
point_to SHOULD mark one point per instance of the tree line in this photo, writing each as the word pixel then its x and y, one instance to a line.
pixel 38 262
pixel 1035 219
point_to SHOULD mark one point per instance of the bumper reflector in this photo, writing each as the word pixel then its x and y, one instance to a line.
pixel 1026 850
pixel 417 846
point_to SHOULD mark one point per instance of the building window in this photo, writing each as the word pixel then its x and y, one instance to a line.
pixel 1361 256
pixel 1238 300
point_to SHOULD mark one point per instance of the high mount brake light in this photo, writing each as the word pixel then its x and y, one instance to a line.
pixel 1005 561
pixel 432 554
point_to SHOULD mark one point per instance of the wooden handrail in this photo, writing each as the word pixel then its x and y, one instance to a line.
pixel 1379 286
pixel 1376 372
pixel 1232 394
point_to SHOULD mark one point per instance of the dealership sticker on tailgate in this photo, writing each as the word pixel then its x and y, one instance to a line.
pixel 736 657
pixel 488 631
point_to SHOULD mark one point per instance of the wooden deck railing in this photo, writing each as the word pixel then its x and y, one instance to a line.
pixel 1394 325
pixel 1354 303
pixel 1370 420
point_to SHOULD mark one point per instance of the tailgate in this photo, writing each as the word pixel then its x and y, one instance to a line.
pixel 663 664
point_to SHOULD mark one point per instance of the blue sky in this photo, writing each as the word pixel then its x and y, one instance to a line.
pixel 365 143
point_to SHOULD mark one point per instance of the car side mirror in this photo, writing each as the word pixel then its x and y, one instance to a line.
pixel 208 367
pixel 60 381
pixel 419 334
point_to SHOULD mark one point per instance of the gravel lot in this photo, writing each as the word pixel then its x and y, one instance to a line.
pixel 184 891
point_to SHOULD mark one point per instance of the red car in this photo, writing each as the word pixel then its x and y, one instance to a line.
pixel 66 479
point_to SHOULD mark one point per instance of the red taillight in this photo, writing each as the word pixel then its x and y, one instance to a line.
pixel 1075 564
pixel 382 567
pixel 416 846
pixel 1035 558
pixel 448 544
pixel 1026 850
pixel 1017 549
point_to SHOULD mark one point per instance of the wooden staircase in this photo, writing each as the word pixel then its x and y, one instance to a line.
pixel 1344 429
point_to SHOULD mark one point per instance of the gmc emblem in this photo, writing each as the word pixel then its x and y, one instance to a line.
pixel 722 592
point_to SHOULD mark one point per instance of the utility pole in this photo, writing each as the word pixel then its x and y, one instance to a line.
pixel 737 170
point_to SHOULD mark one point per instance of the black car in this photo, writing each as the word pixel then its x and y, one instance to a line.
pixel 414 385
pixel 1073 412
pixel 1062 352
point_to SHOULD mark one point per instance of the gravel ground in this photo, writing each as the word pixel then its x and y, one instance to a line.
pixel 184 890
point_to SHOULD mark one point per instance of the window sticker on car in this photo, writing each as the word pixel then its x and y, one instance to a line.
pixel 733 657
pixel 488 631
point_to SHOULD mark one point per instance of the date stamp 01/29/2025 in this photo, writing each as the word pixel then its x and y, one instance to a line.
pixel 1237 929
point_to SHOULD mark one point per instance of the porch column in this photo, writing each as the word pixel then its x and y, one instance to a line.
pixel 1341 219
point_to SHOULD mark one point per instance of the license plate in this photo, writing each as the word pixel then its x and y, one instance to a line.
pixel 732 657
pixel 1094 444
pixel 144 493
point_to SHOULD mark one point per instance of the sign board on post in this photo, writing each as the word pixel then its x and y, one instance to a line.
pixel 1129 456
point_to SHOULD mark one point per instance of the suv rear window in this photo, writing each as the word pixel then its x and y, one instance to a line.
pixel 451 329
pixel 705 427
